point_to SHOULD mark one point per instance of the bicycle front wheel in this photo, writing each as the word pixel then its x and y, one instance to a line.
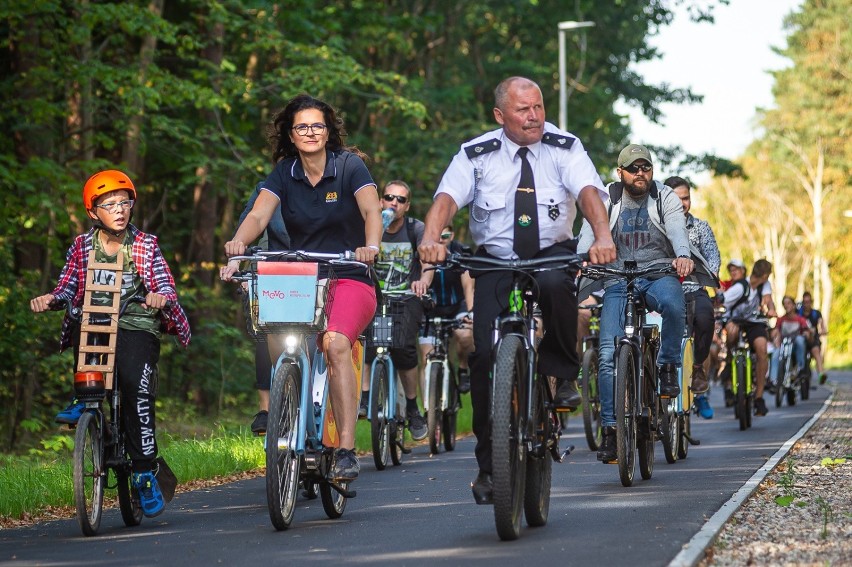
pixel 781 383
pixel 539 462
pixel 670 432
pixel 646 438
pixel 89 473
pixel 685 427
pixel 451 414
pixel 333 502
pixel 625 414
pixel 507 430
pixel 379 408
pixel 282 462
pixel 591 400
pixel 742 393
pixel 434 416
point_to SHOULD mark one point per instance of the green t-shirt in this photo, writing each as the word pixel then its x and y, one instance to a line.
pixel 136 317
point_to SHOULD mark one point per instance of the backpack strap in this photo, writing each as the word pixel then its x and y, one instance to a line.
pixel 616 190
pixel 415 255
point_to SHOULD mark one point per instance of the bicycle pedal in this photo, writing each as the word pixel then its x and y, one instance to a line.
pixel 560 457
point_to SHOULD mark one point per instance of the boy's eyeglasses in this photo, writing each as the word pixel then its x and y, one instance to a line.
pixel 399 198
pixel 635 167
pixel 302 129
pixel 117 206
pixel 446 235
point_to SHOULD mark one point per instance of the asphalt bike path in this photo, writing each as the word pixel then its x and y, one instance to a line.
pixel 422 512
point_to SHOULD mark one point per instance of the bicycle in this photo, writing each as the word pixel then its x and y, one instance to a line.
pixel 789 378
pixel 742 361
pixel 525 427
pixel 99 439
pixel 642 416
pixel 386 416
pixel 441 400
pixel 288 297
pixel 589 380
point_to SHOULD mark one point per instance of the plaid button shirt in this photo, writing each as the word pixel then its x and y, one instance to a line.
pixel 151 266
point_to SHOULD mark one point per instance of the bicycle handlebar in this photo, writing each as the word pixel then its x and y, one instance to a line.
pixel 484 263
pixel 629 274
pixel 258 255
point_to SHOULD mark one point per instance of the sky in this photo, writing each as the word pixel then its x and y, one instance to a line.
pixel 728 63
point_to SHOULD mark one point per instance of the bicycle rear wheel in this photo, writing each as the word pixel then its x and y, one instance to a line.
pixel 685 427
pixel 539 462
pixel 646 427
pixel 591 400
pixel 89 473
pixel 741 394
pixel 379 406
pixel 282 462
pixel 451 414
pixel 434 415
pixel 625 416
pixel 507 430
pixel 333 502
pixel 670 432
pixel 128 499
pixel 780 381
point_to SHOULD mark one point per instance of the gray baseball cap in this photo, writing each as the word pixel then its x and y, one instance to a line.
pixel 633 152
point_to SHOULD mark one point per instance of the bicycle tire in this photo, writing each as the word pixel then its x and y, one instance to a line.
pixel 625 416
pixel 282 464
pixel 507 430
pixel 646 441
pixel 451 414
pixel 591 400
pixel 685 427
pixel 780 381
pixel 128 499
pixel 670 433
pixel 434 415
pixel 741 394
pixel 539 462
pixel 805 386
pixel 379 406
pixel 333 502
pixel 89 473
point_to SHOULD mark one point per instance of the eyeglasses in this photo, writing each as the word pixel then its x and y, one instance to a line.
pixel 446 235
pixel 117 206
pixel 399 198
pixel 635 167
pixel 302 129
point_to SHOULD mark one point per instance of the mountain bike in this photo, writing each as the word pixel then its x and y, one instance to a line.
pixel 525 427
pixel 589 380
pixel 789 378
pixel 288 298
pixel 641 415
pixel 684 406
pixel 441 399
pixel 742 362
pixel 384 410
pixel 99 440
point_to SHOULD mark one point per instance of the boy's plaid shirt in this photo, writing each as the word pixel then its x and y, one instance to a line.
pixel 151 267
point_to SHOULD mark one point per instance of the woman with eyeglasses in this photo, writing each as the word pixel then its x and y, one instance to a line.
pixel 329 203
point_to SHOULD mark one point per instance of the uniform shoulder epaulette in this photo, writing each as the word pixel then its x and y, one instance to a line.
pixel 482 148
pixel 558 140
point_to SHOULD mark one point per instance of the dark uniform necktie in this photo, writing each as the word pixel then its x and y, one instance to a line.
pixel 526 243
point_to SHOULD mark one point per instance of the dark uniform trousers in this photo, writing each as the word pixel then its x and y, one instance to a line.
pixel 557 354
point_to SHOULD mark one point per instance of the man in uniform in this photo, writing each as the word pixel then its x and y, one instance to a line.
pixel 521 182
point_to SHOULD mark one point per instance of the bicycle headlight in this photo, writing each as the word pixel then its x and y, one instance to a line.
pixel 290 343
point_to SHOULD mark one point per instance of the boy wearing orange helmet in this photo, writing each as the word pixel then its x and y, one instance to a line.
pixel 109 197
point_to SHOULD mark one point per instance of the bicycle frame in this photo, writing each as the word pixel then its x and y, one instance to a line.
pixel 439 355
pixel 383 357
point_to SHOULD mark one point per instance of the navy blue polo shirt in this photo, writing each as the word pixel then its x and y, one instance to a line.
pixel 324 218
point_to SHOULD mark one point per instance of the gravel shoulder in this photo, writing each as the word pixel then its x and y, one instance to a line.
pixel 801 513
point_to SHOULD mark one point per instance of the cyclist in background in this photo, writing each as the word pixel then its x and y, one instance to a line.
pixel 816 321
pixel 700 236
pixel 751 300
pixel 790 324
pixel 452 293
pixel 109 197
pixel 329 203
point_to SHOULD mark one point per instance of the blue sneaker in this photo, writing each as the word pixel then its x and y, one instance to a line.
pixel 71 414
pixel 704 409
pixel 150 496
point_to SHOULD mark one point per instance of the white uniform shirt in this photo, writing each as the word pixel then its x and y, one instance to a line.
pixel 560 174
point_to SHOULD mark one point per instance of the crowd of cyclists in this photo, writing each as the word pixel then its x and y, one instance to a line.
pixel 321 197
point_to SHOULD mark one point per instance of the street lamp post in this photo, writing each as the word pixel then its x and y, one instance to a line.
pixel 563 89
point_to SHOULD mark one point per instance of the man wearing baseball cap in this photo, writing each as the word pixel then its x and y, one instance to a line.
pixel 648 227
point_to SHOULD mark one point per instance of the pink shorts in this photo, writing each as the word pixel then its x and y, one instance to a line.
pixel 352 308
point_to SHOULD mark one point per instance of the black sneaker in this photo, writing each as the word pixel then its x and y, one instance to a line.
pixel 567 396
pixel 362 406
pixel 607 453
pixel 464 380
pixel 416 425
pixel 669 387
pixel 760 407
pixel 261 419
pixel 344 466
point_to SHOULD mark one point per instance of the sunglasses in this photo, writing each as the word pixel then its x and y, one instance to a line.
pixel 399 198
pixel 634 168
pixel 446 235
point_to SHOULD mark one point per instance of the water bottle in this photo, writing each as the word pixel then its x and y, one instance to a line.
pixel 387 218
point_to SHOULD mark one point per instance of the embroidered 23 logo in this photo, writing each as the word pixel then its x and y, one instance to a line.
pixel 331 197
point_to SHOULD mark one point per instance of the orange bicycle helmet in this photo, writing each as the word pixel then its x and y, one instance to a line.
pixel 104 182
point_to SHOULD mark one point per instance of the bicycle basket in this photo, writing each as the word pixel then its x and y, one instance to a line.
pixel 388 327
pixel 288 295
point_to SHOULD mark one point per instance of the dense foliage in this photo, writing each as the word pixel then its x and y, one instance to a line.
pixel 179 93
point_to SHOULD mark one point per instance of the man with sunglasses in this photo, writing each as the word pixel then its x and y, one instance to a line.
pixel 648 226
pixel 398 268
pixel 521 183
